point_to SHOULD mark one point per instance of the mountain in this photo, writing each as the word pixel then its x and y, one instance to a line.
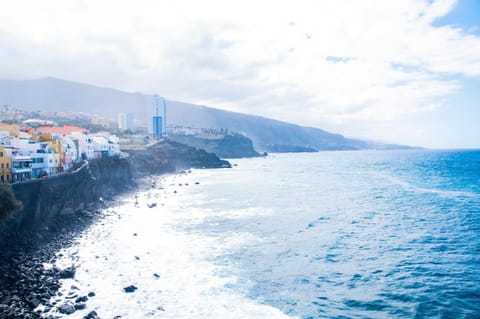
pixel 52 94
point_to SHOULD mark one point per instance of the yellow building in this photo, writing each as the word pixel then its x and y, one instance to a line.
pixel 12 129
pixel 56 147
pixel 5 166
pixel 46 137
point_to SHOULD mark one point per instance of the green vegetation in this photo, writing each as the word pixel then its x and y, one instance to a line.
pixel 8 203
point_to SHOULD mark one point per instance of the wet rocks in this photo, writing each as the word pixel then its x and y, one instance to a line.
pixel 130 289
pixel 29 279
pixel 67 308
pixel 91 315
pixel 80 306
pixel 81 299
pixel 68 272
pixel 34 302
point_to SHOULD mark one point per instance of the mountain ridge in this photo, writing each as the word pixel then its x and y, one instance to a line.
pixel 54 95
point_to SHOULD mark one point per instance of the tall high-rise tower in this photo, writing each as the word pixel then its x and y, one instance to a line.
pixel 158 124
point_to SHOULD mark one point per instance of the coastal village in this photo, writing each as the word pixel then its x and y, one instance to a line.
pixel 42 144
pixel 34 150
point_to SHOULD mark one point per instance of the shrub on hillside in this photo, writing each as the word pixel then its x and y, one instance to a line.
pixel 8 203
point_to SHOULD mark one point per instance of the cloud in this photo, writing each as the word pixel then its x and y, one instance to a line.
pixel 336 61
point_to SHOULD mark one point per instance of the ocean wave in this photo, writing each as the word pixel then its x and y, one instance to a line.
pixel 423 190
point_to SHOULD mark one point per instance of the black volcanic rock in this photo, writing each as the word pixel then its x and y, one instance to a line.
pixel 67 308
pixel 168 156
pixel 92 315
pixel 230 145
pixel 130 289
pixel 67 273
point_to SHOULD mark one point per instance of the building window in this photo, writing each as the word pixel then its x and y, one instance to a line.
pixel 2 165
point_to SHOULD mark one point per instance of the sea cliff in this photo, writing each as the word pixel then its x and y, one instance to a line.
pixel 48 201
pixel 56 209
pixel 228 145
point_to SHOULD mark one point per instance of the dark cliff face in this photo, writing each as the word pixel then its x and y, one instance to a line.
pixel 112 175
pixel 225 146
pixel 168 156
pixel 182 156
pixel 48 200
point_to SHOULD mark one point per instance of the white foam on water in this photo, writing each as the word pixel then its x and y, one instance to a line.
pixel 417 189
pixel 174 270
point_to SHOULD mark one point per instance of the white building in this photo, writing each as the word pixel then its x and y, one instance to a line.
pixel 21 167
pixel 125 122
pixel 43 164
pixel 113 146
pixel 23 141
pixel 100 146
pixel 71 153
pixel 85 145
pixel 7 140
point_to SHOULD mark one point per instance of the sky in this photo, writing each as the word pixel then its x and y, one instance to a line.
pixel 406 71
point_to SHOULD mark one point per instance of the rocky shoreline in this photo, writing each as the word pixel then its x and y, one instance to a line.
pixel 29 279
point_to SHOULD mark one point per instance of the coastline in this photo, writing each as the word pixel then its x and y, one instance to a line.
pixel 33 236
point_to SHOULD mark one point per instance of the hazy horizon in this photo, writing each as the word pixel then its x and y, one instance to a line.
pixel 402 72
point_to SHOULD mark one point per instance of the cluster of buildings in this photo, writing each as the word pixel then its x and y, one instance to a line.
pixel 156 115
pixel 125 122
pixel 27 152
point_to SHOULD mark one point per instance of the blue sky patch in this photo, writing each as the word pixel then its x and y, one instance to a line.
pixel 465 15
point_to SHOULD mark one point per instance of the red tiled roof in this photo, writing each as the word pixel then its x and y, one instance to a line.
pixel 61 130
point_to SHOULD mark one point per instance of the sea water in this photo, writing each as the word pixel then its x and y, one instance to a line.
pixel 367 234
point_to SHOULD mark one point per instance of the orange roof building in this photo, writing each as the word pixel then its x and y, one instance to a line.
pixel 61 130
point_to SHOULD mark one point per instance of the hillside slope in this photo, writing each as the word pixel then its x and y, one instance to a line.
pixel 51 94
